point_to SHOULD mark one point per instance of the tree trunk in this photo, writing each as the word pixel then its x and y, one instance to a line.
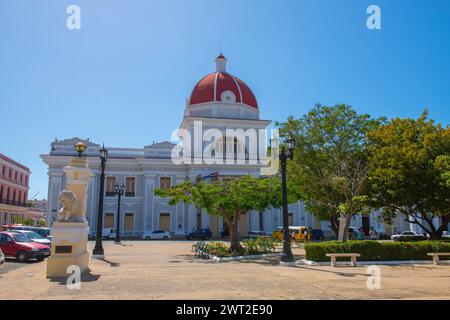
pixel 261 221
pixel 343 229
pixel 443 227
pixel 233 224
pixel 428 226
pixel 334 226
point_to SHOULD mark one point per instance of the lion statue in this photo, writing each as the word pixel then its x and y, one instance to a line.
pixel 70 210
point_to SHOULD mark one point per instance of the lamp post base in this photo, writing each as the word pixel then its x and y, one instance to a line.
pixel 98 248
pixel 117 242
pixel 98 253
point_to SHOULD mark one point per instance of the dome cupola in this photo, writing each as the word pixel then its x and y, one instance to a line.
pixel 222 87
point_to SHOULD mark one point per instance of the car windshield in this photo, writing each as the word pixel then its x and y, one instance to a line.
pixel 33 235
pixel 19 237
pixel 41 232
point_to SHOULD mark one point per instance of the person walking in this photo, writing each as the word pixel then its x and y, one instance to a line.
pixel 373 234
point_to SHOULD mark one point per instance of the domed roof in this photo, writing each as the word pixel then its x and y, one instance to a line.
pixel 221 86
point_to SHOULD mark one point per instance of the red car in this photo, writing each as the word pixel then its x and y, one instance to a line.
pixel 21 247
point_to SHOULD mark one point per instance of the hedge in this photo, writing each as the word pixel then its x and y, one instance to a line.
pixel 376 251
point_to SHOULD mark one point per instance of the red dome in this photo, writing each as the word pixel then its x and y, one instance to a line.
pixel 211 87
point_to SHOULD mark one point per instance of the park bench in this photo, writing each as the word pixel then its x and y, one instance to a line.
pixel 333 257
pixel 436 255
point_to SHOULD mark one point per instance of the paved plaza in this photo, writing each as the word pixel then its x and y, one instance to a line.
pixel 168 270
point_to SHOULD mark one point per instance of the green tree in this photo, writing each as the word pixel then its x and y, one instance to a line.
pixel 270 195
pixel 229 198
pixel 42 223
pixel 410 172
pixel 330 165
pixel 23 220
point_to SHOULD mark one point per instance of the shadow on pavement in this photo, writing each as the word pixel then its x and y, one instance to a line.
pixel 189 258
pixel 111 264
pixel 338 273
pixel 86 276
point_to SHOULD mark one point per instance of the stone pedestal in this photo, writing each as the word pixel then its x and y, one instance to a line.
pixel 69 247
pixel 70 233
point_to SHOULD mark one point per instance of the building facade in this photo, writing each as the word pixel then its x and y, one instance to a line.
pixel 14 181
pixel 220 103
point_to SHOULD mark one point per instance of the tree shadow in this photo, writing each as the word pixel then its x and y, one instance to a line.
pixel 191 258
pixel 338 273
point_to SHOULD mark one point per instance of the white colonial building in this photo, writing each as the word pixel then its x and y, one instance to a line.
pixel 219 101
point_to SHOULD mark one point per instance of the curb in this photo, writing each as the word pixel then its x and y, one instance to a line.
pixel 368 263
pixel 239 258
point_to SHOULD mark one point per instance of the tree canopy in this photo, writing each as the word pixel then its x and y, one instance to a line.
pixel 330 166
pixel 228 198
pixel 410 172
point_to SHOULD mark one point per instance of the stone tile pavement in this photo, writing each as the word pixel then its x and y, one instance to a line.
pixel 168 270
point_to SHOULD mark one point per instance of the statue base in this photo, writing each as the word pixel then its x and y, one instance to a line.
pixel 69 248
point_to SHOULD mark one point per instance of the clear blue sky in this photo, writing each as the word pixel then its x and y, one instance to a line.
pixel 130 68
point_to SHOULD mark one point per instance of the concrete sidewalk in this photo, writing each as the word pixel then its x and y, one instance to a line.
pixel 168 270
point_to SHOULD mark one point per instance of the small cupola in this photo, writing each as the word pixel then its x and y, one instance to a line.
pixel 221 64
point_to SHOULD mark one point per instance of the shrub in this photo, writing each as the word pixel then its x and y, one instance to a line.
pixel 376 251
pixel 412 238
pixel 217 248
pixel 259 245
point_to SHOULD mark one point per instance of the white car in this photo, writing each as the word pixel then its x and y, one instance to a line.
pixel 157 234
pixel 445 235
pixel 35 237
pixel 406 234
pixel 2 258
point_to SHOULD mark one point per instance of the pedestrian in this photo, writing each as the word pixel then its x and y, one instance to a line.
pixel 305 233
pixel 372 234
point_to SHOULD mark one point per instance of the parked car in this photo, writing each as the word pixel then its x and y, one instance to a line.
pixel 408 236
pixel 445 235
pixel 34 236
pixel 255 234
pixel 157 235
pixel 2 258
pixel 21 247
pixel 317 234
pixel 108 233
pixel 202 234
pixel 43 232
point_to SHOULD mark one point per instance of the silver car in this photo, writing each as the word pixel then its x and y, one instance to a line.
pixel 34 236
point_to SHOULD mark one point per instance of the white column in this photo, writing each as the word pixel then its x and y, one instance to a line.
pixel 93 200
pixel 54 188
pixel 179 209
pixel 149 180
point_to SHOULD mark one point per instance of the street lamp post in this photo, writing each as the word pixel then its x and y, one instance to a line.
pixel 98 249
pixel 287 252
pixel 119 192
